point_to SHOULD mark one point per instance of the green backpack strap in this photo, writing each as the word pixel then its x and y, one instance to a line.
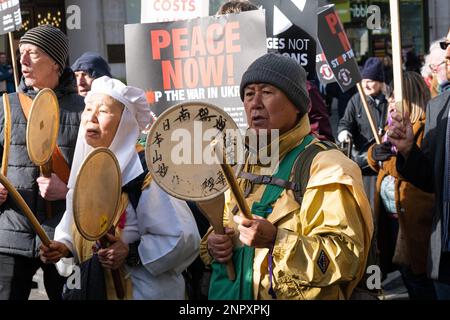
pixel 303 163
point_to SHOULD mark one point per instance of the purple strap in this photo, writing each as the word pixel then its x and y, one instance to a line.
pixel 271 291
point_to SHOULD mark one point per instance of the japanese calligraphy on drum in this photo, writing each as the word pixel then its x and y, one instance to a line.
pixel 178 152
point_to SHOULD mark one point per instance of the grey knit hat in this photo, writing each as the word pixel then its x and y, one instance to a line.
pixel 51 40
pixel 281 72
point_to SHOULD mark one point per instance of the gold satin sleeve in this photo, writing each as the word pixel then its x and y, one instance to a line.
pixel 330 247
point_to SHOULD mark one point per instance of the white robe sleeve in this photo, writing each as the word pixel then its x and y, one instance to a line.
pixel 63 234
pixel 169 235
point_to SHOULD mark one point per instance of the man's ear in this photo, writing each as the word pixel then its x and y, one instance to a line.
pixel 57 69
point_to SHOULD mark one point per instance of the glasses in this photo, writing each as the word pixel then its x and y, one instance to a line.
pixel 435 67
pixel 444 45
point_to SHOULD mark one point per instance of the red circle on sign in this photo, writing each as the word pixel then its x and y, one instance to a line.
pixel 326 72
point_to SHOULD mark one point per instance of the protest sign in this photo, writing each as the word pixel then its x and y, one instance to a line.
pixel 200 59
pixel 11 18
pixel 337 49
pixel 292 29
pixel 341 58
pixel 323 70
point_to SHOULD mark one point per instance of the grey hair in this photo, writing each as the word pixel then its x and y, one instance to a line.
pixel 430 58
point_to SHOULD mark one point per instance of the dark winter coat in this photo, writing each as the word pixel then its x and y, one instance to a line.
pixel 16 234
pixel 425 169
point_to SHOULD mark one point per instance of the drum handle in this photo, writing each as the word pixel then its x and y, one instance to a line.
pixel 206 207
pixel 118 286
pixel 46 171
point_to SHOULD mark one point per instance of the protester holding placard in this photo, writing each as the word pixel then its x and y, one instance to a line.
pixel 354 126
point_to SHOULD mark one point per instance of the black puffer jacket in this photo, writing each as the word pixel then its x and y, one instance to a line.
pixel 356 122
pixel 16 233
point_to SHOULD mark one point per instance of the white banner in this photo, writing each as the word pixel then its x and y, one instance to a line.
pixel 172 10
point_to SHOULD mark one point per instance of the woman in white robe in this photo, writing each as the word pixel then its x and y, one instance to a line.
pixel 161 229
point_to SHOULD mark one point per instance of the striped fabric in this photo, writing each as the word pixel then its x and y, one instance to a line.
pixel 51 40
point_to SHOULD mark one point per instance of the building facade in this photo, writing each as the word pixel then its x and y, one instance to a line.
pixel 98 25
pixel 439 18
pixel 101 29
pixel 367 24
pixel 91 25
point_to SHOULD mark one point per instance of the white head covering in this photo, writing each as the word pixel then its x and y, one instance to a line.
pixel 133 98
pixel 135 117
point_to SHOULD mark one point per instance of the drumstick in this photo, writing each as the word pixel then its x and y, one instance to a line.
pixel 25 209
pixel 213 211
pixel 231 179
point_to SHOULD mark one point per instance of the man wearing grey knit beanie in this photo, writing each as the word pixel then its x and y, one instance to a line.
pixel 312 225
pixel 43 57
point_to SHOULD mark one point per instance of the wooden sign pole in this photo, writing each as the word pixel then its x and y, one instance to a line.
pixel 397 54
pixel 13 58
pixel 368 112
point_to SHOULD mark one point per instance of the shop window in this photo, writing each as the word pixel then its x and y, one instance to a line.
pixel 116 53
pixel 51 16
pixel 34 13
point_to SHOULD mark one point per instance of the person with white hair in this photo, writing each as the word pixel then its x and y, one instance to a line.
pixel 434 70
pixel 159 238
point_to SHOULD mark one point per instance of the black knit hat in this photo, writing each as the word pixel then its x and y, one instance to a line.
pixel 93 64
pixel 51 40
pixel 373 70
pixel 281 72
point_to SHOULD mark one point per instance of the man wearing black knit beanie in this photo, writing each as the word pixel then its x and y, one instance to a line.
pixel 43 57
pixel 354 127
pixel 88 67
pixel 312 225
